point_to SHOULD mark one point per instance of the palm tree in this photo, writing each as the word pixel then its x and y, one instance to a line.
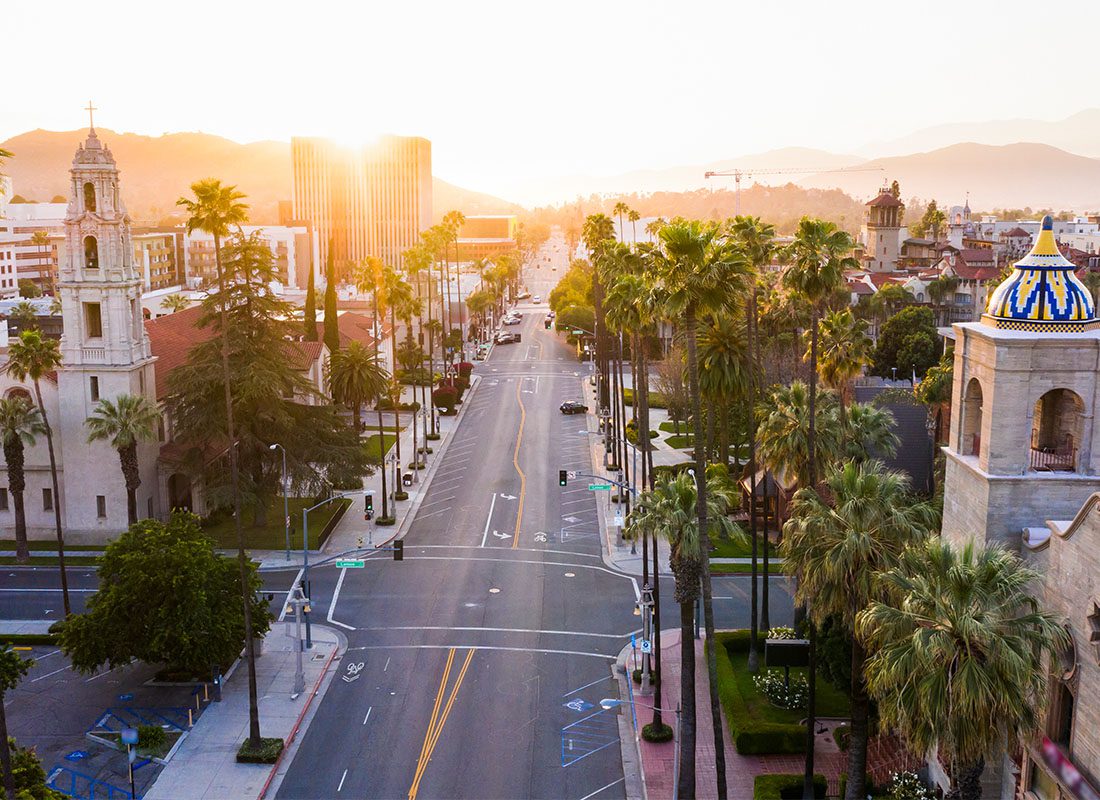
pixel 25 315
pixel 702 272
pixel 216 209
pixel 452 224
pixel 836 549
pixel 757 241
pixel 620 209
pixel 20 423
pixel 175 302
pixel 959 650
pixel 868 433
pixel 33 357
pixel 818 257
pixel 599 228
pixel 130 419
pixel 670 511
pixel 724 370
pixel 355 376
pixel 633 216
pixel 399 298
pixel 845 349
pixel 784 434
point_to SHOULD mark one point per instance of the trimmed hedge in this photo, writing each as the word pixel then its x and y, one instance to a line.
pixel 785 787
pixel 655 399
pixel 22 639
pixel 266 753
pixel 874 791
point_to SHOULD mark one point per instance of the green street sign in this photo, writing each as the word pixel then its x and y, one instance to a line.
pixel 578 333
pixel 599 487
pixel 352 563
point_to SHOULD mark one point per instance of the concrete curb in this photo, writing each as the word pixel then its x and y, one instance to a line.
pixel 633 771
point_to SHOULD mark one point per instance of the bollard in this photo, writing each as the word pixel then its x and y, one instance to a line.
pixel 190 719
pixel 206 692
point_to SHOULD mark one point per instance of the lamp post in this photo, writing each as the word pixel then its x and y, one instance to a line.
pixel 299 602
pixel 647 617
pixel 610 702
pixel 305 550
pixel 286 501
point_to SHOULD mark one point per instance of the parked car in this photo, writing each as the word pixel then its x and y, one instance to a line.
pixel 507 338
pixel 513 320
pixel 536 299
pixel 523 295
pixel 573 407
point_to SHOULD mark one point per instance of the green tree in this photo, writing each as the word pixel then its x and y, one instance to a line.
pixel 332 325
pixel 30 778
pixel 702 273
pixel 959 649
pixel 930 223
pixel 836 549
pixel 935 389
pixel 124 422
pixel 20 423
pixel 784 434
pixel 198 623
pixel 724 370
pixel 670 511
pixel 907 341
pixel 309 314
pixel 355 376
pixel 31 357
pixel 175 302
pixel 845 349
pixel 13 668
pixel 24 315
pixel 29 289
pixel 868 433
pixel 619 210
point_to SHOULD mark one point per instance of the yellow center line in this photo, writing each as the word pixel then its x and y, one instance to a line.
pixel 435 727
pixel 515 463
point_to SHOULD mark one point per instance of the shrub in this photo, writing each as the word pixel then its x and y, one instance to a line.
pixel 150 737
pixel 784 787
pixel 657 735
pixel 773 685
pixel 266 753
pixel 464 369
pixel 384 522
pixel 761 738
pixel 400 495
pixel 655 400
pixel 907 786
pixel 782 632
pixel 872 790
pixel 444 398
pixel 841 735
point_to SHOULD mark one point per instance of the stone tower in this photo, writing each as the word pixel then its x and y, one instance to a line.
pixel 104 349
pixel 1024 445
pixel 882 229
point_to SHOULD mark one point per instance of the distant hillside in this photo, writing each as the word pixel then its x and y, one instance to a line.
pixel 1079 134
pixel 156 170
pixel 1014 175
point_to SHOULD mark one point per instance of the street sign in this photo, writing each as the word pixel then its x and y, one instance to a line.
pixel 646 646
pixel 351 563
pixel 129 735
pixel 618 520
pixel 599 487
pixel 578 333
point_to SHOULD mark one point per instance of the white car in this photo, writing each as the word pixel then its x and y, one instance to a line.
pixel 536 299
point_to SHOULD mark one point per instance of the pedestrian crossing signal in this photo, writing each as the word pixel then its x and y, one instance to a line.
pixel 563 477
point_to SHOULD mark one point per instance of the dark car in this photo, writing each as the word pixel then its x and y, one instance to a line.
pixel 573 407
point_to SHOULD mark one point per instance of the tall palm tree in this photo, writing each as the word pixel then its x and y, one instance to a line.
pixel 355 376
pixel 418 260
pixel 217 209
pixel 174 302
pixel 599 228
pixel 757 241
pixel 845 349
pixel 836 550
pixel 129 419
pixel 959 649
pixel 31 357
pixel 399 298
pixel 633 216
pixel 817 259
pixel 784 434
pixel 669 510
pixel 868 433
pixel 702 272
pixel 20 423
pixel 453 222
pixel 619 210
pixel 724 369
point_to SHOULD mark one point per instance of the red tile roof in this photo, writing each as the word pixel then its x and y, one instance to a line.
pixel 859 287
pixel 355 327
pixel 1017 232
pixel 886 199
pixel 978 255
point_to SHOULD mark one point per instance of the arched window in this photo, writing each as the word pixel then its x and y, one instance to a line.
pixel 91 253
pixel 20 393
pixel 972 419
pixel 89 196
pixel 1056 431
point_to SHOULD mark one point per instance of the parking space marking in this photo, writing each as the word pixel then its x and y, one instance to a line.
pixel 48 674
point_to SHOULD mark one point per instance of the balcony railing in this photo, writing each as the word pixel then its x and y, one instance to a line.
pixel 1049 460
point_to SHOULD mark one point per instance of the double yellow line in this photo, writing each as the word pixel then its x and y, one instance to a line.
pixel 437 721
pixel 515 463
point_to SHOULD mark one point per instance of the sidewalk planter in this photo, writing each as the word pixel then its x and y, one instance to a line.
pixel 267 753
pixel 785 787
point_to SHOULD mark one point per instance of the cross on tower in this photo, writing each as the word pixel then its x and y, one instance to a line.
pixel 91 115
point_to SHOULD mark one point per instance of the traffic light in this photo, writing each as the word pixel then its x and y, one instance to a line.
pixel 399 550
pixel 563 477
pixel 368 506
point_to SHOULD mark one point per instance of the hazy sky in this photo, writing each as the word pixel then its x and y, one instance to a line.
pixel 509 92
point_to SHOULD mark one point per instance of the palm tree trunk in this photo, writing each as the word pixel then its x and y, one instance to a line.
pixel 458 292
pixel 5 754
pixel 397 405
pixel 686 785
pixel 968 781
pixel 704 555
pixel 620 399
pixel 431 362
pixel 857 743
pixel 22 552
pixel 56 499
pixel 382 467
pixel 127 457
pixel 811 471
pixel 754 612
pixel 641 399
pixel 242 561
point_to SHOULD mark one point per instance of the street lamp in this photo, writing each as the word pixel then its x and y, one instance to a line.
pixel 286 501
pixel 610 702
pixel 646 604
pixel 299 602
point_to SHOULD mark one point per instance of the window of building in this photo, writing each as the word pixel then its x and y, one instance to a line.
pixel 1056 431
pixel 91 253
pixel 93 320
pixel 3 499
pixel 47 500
pixel 149 508
pixel 101 506
pixel 89 196
pixel 93 387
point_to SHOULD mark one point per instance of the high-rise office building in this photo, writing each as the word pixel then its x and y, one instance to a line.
pixel 374 201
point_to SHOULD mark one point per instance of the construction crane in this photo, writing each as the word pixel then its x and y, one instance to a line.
pixel 738 174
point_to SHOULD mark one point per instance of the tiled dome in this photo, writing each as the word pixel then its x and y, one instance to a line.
pixel 1042 293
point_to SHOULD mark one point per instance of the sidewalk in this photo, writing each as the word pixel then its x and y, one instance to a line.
pixel 205 766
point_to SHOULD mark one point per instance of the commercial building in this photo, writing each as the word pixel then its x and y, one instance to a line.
pixel 31 236
pixel 486 235
pixel 158 256
pixel 372 201
pixel 294 249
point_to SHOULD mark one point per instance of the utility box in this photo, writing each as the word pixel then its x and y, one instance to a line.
pixel 786 652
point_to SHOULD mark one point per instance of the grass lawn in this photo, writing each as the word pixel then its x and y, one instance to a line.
pixel 273 535
pixel 370 447
pixel 830 702
pixel 746 569
pixel 160 751
pixel 388 428
pixel 49 544
pixel 728 548
pixel 681 442
pixel 669 427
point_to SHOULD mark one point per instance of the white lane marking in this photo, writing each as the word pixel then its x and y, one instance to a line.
pixel 499 630
pixel 602 788
pixel 100 675
pixel 581 688
pixel 368 715
pixel 633 581
pixel 286 603
pixel 518 550
pixel 433 514
pixel 46 655
pixel 342 777
pixel 489 519
pixel 48 674
pixel 441 500
pixel 545 651
pixel 387 665
pixel 335 597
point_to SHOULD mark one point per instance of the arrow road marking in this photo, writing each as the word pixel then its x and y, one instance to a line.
pixel 572 519
pixel 508 496
pixel 500 535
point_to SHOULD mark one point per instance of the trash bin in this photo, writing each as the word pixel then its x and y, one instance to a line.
pixel 407 479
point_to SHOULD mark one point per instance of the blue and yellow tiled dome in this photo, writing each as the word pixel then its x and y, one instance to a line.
pixel 1042 293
